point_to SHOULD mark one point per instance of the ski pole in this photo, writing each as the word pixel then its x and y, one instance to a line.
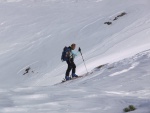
pixel 83 59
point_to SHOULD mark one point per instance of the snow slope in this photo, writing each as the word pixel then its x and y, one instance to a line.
pixel 33 34
pixel 110 88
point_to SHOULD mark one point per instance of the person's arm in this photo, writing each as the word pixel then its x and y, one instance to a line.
pixel 75 53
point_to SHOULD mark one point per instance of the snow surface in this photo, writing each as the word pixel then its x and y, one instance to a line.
pixel 33 34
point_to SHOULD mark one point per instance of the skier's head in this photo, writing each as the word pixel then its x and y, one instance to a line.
pixel 73 46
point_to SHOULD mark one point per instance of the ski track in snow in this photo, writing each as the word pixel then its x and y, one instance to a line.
pixel 125 70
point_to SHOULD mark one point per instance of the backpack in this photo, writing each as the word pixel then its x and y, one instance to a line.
pixel 65 54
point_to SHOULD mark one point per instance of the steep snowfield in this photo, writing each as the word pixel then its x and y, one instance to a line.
pixel 33 34
pixel 108 89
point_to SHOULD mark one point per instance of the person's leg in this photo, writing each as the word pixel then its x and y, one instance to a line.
pixel 69 68
pixel 73 68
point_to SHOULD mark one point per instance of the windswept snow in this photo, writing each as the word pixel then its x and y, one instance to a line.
pixel 97 92
pixel 125 70
pixel 33 34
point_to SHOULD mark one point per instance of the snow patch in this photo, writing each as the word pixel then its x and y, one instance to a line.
pixel 125 70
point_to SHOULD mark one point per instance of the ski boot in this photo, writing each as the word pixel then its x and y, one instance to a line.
pixel 74 75
pixel 67 78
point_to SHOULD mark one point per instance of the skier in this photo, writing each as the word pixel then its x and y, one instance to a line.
pixel 70 62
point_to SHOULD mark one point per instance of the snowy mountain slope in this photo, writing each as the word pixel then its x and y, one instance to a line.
pixel 110 88
pixel 33 34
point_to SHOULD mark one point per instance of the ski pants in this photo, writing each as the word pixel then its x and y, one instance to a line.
pixel 71 66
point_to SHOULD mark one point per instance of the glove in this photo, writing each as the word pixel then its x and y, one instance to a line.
pixel 79 49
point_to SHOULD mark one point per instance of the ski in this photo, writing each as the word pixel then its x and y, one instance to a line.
pixel 64 80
